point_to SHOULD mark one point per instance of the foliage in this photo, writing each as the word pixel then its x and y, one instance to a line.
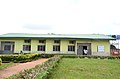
pixel 0 61
pixel 19 58
pixel 91 57
pixel 40 71
pixel 76 68
pixel 45 55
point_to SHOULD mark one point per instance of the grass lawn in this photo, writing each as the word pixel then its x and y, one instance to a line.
pixel 75 68
pixel 5 65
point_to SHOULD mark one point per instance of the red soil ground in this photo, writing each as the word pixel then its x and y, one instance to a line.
pixel 5 73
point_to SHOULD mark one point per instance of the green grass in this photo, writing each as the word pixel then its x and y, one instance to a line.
pixel 5 65
pixel 75 68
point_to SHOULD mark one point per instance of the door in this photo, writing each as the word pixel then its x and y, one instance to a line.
pixel 7 47
pixel 83 46
pixel 79 50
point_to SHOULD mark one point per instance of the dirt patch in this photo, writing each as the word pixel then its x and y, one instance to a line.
pixel 5 73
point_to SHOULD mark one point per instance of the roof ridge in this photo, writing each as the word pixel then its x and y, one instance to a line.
pixel 54 34
pixel 73 36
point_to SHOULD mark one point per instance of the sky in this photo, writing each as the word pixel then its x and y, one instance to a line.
pixel 60 16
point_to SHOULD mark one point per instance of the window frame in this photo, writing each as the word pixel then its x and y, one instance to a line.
pixel 71 41
pixel 26 47
pixel 7 47
pixel 41 48
pixel 56 47
pixel 27 41
pixel 71 48
pixel 57 41
pixel 42 41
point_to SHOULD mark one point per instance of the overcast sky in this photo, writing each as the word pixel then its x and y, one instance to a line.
pixel 60 16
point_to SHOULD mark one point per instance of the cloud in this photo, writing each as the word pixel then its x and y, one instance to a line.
pixel 116 21
pixel 60 16
pixel 37 27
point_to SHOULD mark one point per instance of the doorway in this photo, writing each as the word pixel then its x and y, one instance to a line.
pixel 84 48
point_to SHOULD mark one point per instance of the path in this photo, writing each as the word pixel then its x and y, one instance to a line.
pixel 5 73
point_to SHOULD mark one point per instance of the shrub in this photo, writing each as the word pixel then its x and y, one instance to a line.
pixel 19 58
pixel 70 56
pixel 0 61
pixel 40 71
pixel 47 55
pixel 94 57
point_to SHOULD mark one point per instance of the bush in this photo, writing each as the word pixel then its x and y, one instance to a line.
pixel 40 71
pixel 47 55
pixel 0 61
pixel 93 57
pixel 19 58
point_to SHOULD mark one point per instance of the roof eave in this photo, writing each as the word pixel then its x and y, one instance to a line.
pixel 61 38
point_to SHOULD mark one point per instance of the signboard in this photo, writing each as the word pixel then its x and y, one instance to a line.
pixel 101 49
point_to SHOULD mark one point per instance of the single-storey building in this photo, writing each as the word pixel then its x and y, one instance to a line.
pixel 94 44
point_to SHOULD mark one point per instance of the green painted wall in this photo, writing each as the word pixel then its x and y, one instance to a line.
pixel 97 43
pixel 63 45
pixel 18 46
pixel 49 45
pixel 34 44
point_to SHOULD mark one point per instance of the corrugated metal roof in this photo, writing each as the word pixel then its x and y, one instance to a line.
pixel 69 36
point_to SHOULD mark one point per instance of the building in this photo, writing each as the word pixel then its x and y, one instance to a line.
pixel 115 45
pixel 95 44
